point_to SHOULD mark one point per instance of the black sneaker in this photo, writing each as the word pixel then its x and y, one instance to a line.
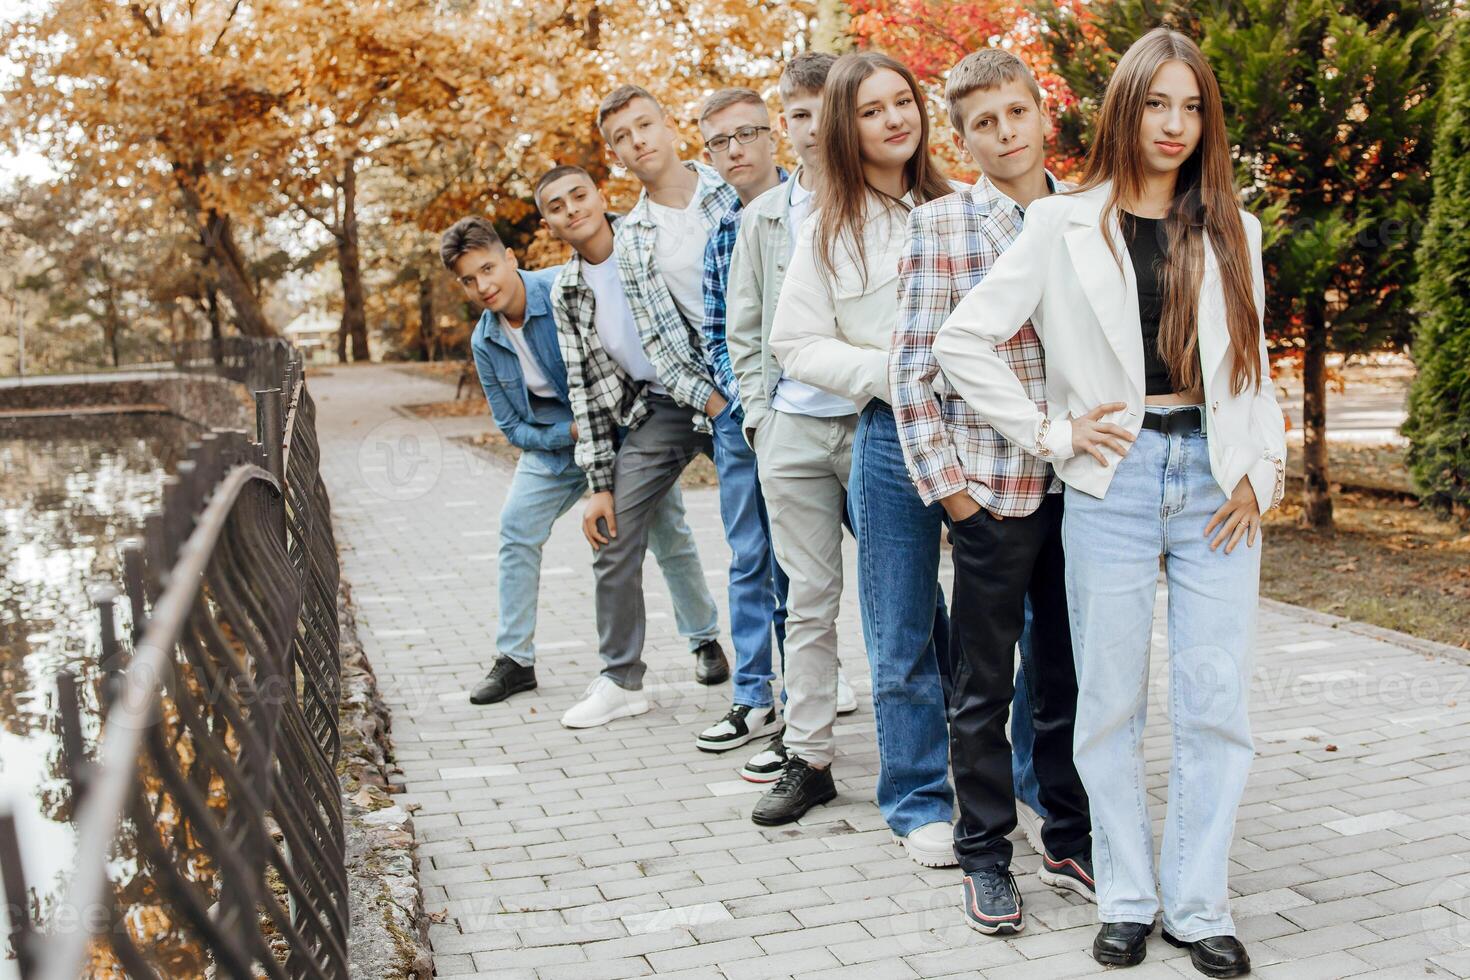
pixel 767 765
pixel 710 665
pixel 798 790
pixel 993 902
pixel 1215 956
pixel 506 677
pixel 1121 943
pixel 738 727
pixel 1073 873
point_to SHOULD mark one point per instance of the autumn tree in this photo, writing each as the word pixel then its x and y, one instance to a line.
pixel 1329 106
pixel 274 119
pixel 144 99
pixel 114 283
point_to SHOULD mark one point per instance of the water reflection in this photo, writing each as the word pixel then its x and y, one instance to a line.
pixel 71 490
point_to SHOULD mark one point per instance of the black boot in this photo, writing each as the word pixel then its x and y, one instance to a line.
pixel 1215 956
pixel 1121 943
pixel 798 790
pixel 710 665
pixel 505 678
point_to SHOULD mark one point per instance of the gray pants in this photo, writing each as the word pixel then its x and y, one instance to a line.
pixel 649 463
pixel 804 466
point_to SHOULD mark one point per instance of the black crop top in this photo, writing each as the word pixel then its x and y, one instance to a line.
pixel 1148 248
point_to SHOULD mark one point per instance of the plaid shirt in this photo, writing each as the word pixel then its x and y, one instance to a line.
pixel 606 401
pixel 952 242
pixel 716 277
pixel 674 345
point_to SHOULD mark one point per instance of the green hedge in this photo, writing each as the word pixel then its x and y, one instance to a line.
pixel 1438 425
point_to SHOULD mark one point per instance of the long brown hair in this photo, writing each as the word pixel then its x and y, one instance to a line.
pixel 1205 202
pixel 842 197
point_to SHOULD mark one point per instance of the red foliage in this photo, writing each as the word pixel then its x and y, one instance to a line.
pixel 931 35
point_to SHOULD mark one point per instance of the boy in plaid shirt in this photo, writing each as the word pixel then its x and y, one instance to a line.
pixel 610 382
pixel 1003 504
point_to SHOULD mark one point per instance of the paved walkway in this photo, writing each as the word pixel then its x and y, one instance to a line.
pixel 626 852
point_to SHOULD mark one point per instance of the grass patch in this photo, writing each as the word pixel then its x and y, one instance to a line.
pixel 1354 465
pixel 1388 561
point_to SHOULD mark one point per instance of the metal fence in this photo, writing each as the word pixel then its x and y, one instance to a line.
pixel 209 818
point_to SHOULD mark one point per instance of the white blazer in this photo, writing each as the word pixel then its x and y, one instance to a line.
pixel 1060 275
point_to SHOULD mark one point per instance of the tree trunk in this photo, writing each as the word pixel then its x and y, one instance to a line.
pixel 349 264
pixel 426 316
pixel 212 297
pixel 1317 494
pixel 233 277
pixel 829 32
pixel 111 319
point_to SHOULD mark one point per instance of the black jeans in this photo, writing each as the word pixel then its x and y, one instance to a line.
pixel 998 564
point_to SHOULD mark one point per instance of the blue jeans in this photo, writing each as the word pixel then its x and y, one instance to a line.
pixel 536 499
pixel 1023 733
pixel 904 625
pixel 757 584
pixel 1160 500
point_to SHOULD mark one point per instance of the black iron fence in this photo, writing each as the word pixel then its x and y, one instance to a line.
pixel 208 813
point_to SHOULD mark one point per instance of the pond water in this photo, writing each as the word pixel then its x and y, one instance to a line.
pixel 71 491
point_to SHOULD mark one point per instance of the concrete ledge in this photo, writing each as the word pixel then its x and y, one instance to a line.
pixel 389 936
pixel 206 400
pixel 1428 647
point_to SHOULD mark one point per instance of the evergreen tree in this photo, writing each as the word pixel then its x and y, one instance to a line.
pixel 1330 106
pixel 1438 426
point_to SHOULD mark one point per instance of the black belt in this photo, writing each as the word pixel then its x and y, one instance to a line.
pixel 1176 422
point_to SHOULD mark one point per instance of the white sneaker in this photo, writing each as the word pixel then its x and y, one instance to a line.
pixel 1030 823
pixel 931 845
pixel 846 696
pixel 603 702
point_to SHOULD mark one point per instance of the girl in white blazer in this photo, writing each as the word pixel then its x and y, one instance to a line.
pixel 1170 447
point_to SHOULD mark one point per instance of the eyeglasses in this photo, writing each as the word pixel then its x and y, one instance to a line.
pixel 745 134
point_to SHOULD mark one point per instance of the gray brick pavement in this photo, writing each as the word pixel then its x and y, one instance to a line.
pixel 625 852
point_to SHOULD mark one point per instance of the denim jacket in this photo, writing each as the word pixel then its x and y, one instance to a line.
pixel 530 423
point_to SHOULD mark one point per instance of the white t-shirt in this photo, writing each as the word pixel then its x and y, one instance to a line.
pixel 679 254
pixel 615 326
pixel 536 380
pixel 801 206
pixel 791 396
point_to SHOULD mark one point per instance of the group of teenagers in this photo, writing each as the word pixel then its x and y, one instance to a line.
pixel 1070 382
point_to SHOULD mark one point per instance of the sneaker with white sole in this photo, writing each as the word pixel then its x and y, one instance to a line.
pixel 931 845
pixel 1030 823
pixel 993 902
pixel 846 696
pixel 1073 874
pixel 767 765
pixel 604 702
pixel 741 724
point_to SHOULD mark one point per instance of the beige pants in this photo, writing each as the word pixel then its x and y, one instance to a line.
pixel 804 464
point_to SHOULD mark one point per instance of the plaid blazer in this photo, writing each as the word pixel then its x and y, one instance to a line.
pixel 606 401
pixel 675 346
pixel 948 447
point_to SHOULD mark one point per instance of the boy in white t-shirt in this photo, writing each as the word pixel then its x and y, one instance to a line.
pixel 634 440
